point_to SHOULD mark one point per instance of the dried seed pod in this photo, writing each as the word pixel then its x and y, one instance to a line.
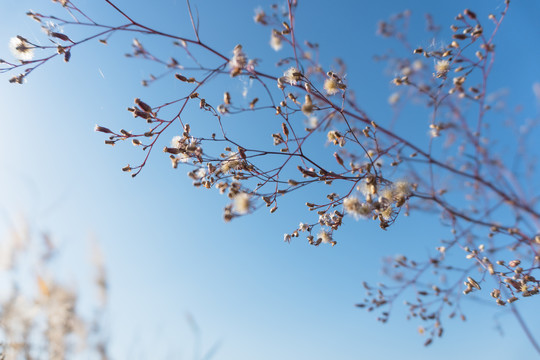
pixel 181 77
pixel 470 14
pixel 473 283
pixel 60 36
pixel 144 106
pixel 285 130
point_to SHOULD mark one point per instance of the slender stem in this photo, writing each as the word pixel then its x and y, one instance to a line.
pixel 525 328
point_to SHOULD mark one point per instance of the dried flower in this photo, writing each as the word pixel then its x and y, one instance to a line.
pixel 336 138
pixel 292 76
pixel 238 61
pixel 331 86
pixel 442 67
pixel 232 162
pixel 325 237
pixel 21 49
pixel 354 207
pixel 242 203
pixel 276 41
pixel 307 108
pixel 260 17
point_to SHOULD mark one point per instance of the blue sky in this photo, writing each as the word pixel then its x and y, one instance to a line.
pixel 167 250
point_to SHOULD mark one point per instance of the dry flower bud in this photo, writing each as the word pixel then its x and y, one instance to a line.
pixel 512 299
pixel 235 72
pixel 174 151
pixel 292 182
pixel 144 106
pixel 60 36
pixel 102 129
pixel 338 158
pixel 473 283
pixel 470 14
pixel 181 77
pixel 285 130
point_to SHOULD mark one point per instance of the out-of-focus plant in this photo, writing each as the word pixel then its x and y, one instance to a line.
pixel 39 315
pixel 372 169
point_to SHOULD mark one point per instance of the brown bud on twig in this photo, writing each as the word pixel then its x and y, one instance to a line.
pixel 338 158
pixel 459 36
pixel 102 129
pixel 473 283
pixel 173 151
pixel 181 77
pixel 60 36
pixel 285 130
pixel 470 14
pixel 307 173
pixel 144 106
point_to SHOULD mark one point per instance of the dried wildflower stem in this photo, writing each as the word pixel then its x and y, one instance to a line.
pixel 525 328
pixel 371 171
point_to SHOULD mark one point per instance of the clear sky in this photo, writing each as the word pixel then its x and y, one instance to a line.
pixel 168 251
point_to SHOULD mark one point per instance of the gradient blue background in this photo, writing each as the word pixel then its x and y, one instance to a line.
pixel 167 250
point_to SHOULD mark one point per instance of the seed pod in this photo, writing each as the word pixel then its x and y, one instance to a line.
pixel 459 36
pixel 470 14
pixel 181 77
pixel 144 106
pixel 285 130
pixel 102 129
pixel 60 36
pixel 338 158
pixel 473 283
